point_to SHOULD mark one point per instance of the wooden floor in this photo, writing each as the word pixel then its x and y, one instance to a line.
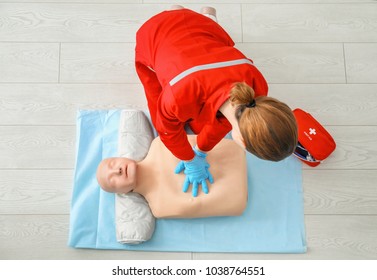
pixel 58 56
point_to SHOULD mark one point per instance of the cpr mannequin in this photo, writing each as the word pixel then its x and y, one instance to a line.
pixel 153 178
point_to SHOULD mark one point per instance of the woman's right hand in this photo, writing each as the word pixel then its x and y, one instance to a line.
pixel 197 172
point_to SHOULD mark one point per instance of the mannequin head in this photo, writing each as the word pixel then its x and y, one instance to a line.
pixel 117 174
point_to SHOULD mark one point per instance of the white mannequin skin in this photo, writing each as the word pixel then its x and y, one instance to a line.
pixel 154 179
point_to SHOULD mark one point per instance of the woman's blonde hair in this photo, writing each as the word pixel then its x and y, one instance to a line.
pixel 268 126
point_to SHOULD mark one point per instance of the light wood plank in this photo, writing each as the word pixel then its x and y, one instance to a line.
pixel 59 22
pixel 356 148
pixel 55 22
pixel 361 62
pixel 21 62
pixel 46 236
pixel 329 237
pixel 340 191
pixel 297 63
pixel 98 63
pixel 331 104
pixel 57 104
pixel 52 147
pixel 214 2
pixel 337 237
pixel 35 191
pixel 309 23
pixel 76 1
pixel 29 147
pixel 325 191
pixel 342 236
pixel 287 63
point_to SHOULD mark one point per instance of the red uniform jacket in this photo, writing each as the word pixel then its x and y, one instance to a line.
pixel 172 42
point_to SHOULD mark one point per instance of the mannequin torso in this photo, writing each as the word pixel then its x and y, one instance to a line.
pixel 159 185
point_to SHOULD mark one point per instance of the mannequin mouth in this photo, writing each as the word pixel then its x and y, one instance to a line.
pixel 130 170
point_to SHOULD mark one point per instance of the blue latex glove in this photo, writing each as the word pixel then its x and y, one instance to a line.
pixel 196 172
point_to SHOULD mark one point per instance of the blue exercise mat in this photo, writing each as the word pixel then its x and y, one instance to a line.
pixel 273 221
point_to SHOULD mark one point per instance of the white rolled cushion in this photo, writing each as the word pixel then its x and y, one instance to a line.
pixel 134 220
pixel 135 135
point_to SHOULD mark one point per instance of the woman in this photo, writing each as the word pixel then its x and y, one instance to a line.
pixel 192 74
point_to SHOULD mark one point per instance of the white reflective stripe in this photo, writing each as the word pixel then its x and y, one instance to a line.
pixel 207 67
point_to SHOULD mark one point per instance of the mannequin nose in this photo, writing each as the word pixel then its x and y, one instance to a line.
pixel 116 170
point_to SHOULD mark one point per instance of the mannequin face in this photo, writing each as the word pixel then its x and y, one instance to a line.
pixel 117 174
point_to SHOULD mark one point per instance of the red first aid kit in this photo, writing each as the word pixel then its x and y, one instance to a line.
pixel 315 143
